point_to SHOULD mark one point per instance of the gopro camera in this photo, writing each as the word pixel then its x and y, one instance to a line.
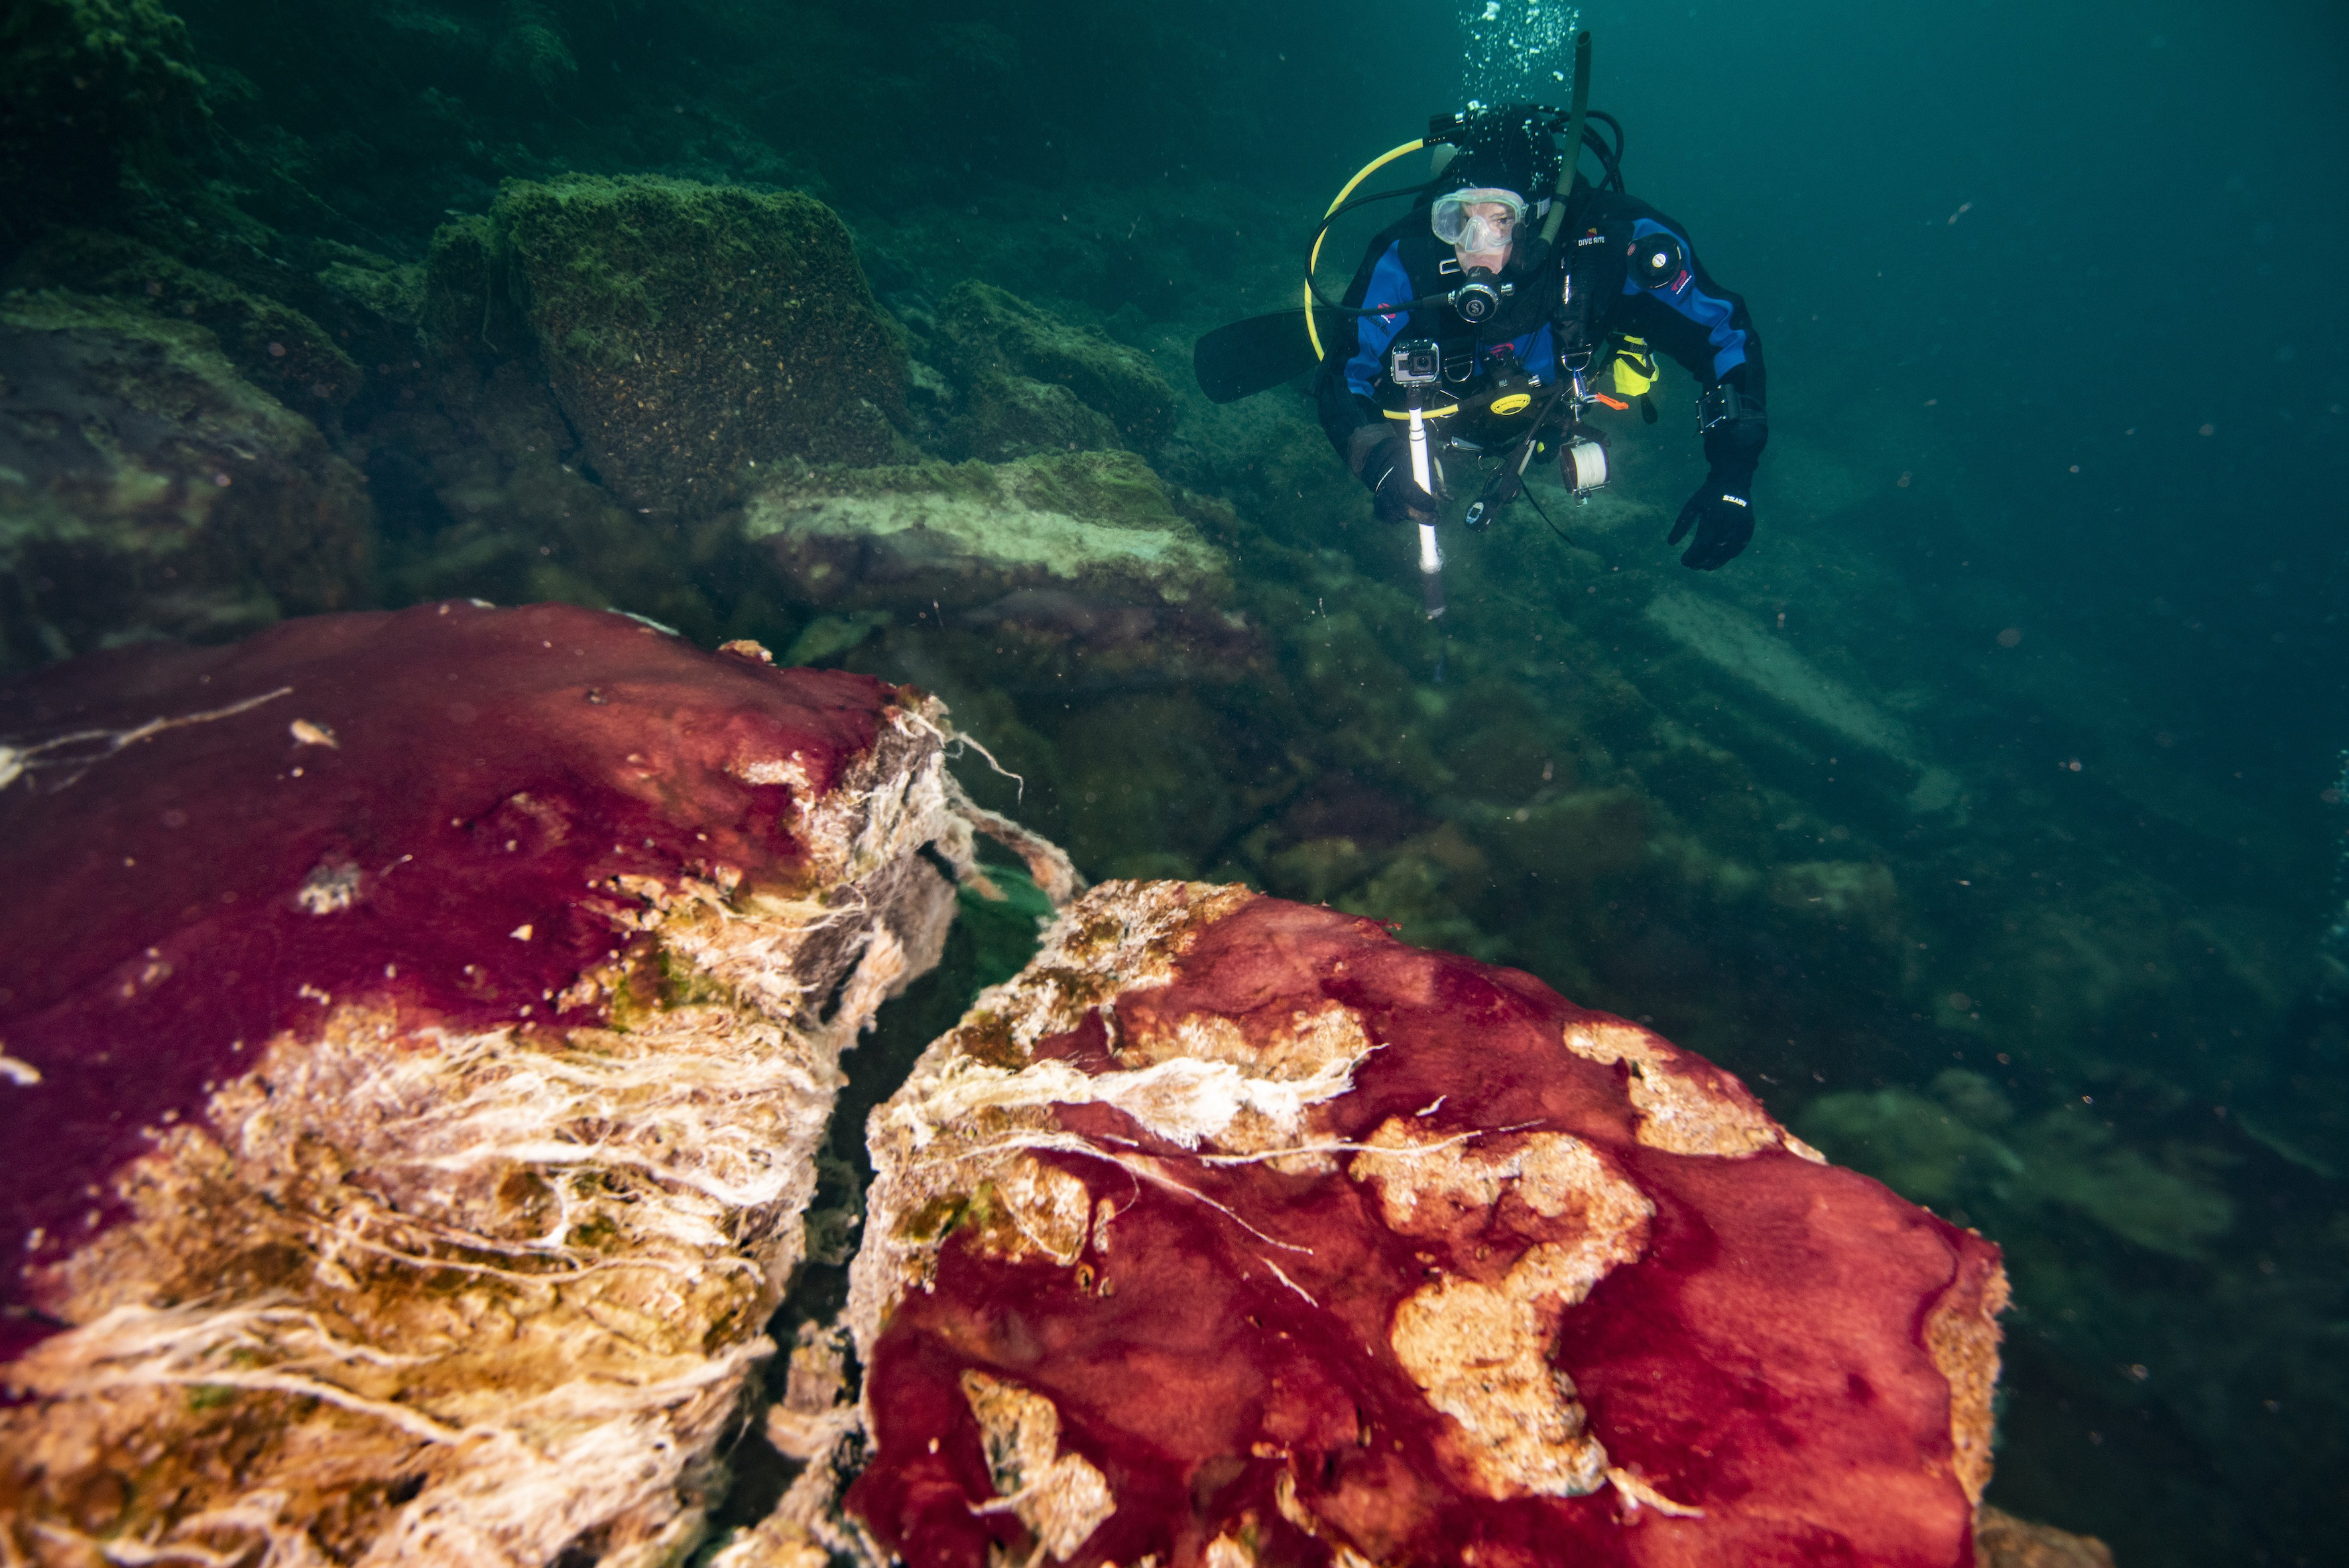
pixel 1418 363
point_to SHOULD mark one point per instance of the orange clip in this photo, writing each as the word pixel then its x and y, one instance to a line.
pixel 1611 403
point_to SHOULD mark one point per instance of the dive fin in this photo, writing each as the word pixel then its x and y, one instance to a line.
pixel 1250 355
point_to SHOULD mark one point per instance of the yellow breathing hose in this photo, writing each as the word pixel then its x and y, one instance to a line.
pixel 1369 169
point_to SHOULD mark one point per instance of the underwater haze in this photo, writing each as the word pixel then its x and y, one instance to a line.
pixel 1986 815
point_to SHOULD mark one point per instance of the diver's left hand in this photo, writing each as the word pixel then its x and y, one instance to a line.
pixel 1721 512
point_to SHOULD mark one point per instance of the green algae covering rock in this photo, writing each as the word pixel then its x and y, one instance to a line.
pixel 1002 417
pixel 88 86
pixel 1235 1232
pixel 1006 353
pixel 278 348
pixel 690 330
pixel 147 490
pixel 418 1029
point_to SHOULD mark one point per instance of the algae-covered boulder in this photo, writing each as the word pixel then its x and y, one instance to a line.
pixel 409 1128
pixel 280 350
pixel 86 88
pixel 1088 536
pixel 1234 1231
pixel 462 286
pixel 1001 418
pixel 1964 1149
pixel 147 490
pixel 689 330
pixel 993 342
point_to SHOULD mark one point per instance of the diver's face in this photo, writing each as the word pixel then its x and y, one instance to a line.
pixel 1492 226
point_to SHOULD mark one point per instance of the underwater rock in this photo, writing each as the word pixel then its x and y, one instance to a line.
pixel 90 89
pixel 1860 891
pixel 464 288
pixel 147 490
pixel 1003 417
pixel 480 488
pixel 1741 647
pixel 689 330
pixel 997 346
pixel 421 1030
pixel 1088 547
pixel 1963 1151
pixel 1233 1230
pixel 275 346
pixel 2003 1541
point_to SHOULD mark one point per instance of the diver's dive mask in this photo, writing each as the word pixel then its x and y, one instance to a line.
pixel 1465 218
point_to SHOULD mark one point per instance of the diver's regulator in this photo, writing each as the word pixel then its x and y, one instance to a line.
pixel 1478 300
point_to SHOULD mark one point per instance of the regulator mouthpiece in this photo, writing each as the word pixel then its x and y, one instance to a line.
pixel 1479 299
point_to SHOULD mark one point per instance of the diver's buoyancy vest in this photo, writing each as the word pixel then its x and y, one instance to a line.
pixel 1433 268
pixel 1592 253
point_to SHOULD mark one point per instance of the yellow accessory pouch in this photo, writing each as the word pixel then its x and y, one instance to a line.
pixel 1635 367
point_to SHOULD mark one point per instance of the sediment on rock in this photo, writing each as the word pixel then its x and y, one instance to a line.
pixel 1083 552
pixel 1011 357
pixel 689 331
pixel 416 1097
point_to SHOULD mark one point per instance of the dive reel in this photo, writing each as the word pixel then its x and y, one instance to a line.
pixel 1583 464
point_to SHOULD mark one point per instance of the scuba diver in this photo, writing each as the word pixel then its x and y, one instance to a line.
pixel 1478 323
pixel 1521 289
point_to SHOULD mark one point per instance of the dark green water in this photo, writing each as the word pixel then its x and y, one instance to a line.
pixel 1985 814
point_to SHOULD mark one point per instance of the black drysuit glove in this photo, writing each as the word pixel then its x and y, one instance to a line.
pixel 1722 511
pixel 1382 461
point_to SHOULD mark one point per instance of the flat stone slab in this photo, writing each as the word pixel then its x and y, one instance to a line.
pixel 1090 532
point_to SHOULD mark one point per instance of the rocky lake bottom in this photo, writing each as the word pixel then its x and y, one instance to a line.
pixel 1949 889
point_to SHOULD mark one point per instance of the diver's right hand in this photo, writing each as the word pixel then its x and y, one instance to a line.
pixel 1395 496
